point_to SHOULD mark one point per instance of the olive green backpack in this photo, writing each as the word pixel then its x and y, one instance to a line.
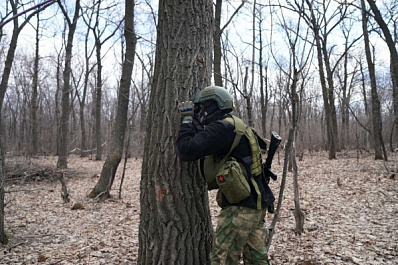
pixel 229 175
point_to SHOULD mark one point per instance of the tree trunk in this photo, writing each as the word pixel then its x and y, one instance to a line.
pixel 330 96
pixel 63 149
pixel 98 99
pixel 271 229
pixel 247 96
pixel 326 102
pixel 217 44
pixel 3 236
pixel 393 55
pixel 365 100
pixel 8 62
pixel 33 110
pixel 57 107
pixel 298 214
pixel 87 71
pixel 263 85
pixel 376 113
pixel 217 39
pixel 104 184
pixel 175 224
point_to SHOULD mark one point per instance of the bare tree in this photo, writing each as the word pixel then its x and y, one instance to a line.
pixel 347 79
pixel 4 82
pixel 98 31
pixel 264 90
pixel 175 225
pixel 300 55
pixel 87 71
pixel 105 182
pixel 391 43
pixel 322 22
pixel 34 97
pixel 376 113
pixel 218 31
pixel 66 88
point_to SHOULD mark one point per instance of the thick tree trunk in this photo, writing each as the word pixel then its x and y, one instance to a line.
pixel 65 107
pixel 175 225
pixel 376 113
pixel 112 161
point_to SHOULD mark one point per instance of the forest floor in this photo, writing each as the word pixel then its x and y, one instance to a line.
pixel 350 207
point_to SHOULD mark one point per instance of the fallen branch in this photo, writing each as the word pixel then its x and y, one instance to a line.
pixel 16 245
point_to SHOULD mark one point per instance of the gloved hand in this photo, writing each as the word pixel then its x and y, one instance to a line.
pixel 186 110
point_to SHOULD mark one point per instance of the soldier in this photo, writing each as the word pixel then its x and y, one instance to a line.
pixel 210 134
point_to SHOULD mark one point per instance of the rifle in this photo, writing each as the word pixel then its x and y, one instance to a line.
pixel 273 146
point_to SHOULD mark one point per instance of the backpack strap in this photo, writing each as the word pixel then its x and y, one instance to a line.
pixel 240 130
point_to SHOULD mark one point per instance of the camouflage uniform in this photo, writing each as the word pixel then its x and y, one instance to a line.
pixel 240 230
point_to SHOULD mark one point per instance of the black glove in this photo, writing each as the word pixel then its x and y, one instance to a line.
pixel 186 110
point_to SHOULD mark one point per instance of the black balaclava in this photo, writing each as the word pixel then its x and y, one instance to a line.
pixel 208 112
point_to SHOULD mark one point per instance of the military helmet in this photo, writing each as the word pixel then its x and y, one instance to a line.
pixel 215 93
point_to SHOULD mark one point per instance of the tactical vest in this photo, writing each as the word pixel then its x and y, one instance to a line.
pixel 212 164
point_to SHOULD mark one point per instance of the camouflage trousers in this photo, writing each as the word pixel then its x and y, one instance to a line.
pixel 240 230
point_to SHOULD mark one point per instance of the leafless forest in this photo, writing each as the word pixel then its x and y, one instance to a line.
pixel 89 93
pixel 350 205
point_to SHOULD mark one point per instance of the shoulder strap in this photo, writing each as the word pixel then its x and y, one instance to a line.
pixel 239 132
pixel 240 129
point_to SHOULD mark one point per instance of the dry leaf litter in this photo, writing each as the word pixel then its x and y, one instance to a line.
pixel 350 207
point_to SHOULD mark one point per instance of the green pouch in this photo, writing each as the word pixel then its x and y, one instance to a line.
pixel 232 180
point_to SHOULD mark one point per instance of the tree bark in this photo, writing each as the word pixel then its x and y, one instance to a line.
pixel 376 113
pixel 104 184
pixel 175 224
pixel 393 55
pixel 217 44
pixel 98 105
pixel 298 214
pixel 65 107
pixel 3 236
pixel 263 85
pixel 33 109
